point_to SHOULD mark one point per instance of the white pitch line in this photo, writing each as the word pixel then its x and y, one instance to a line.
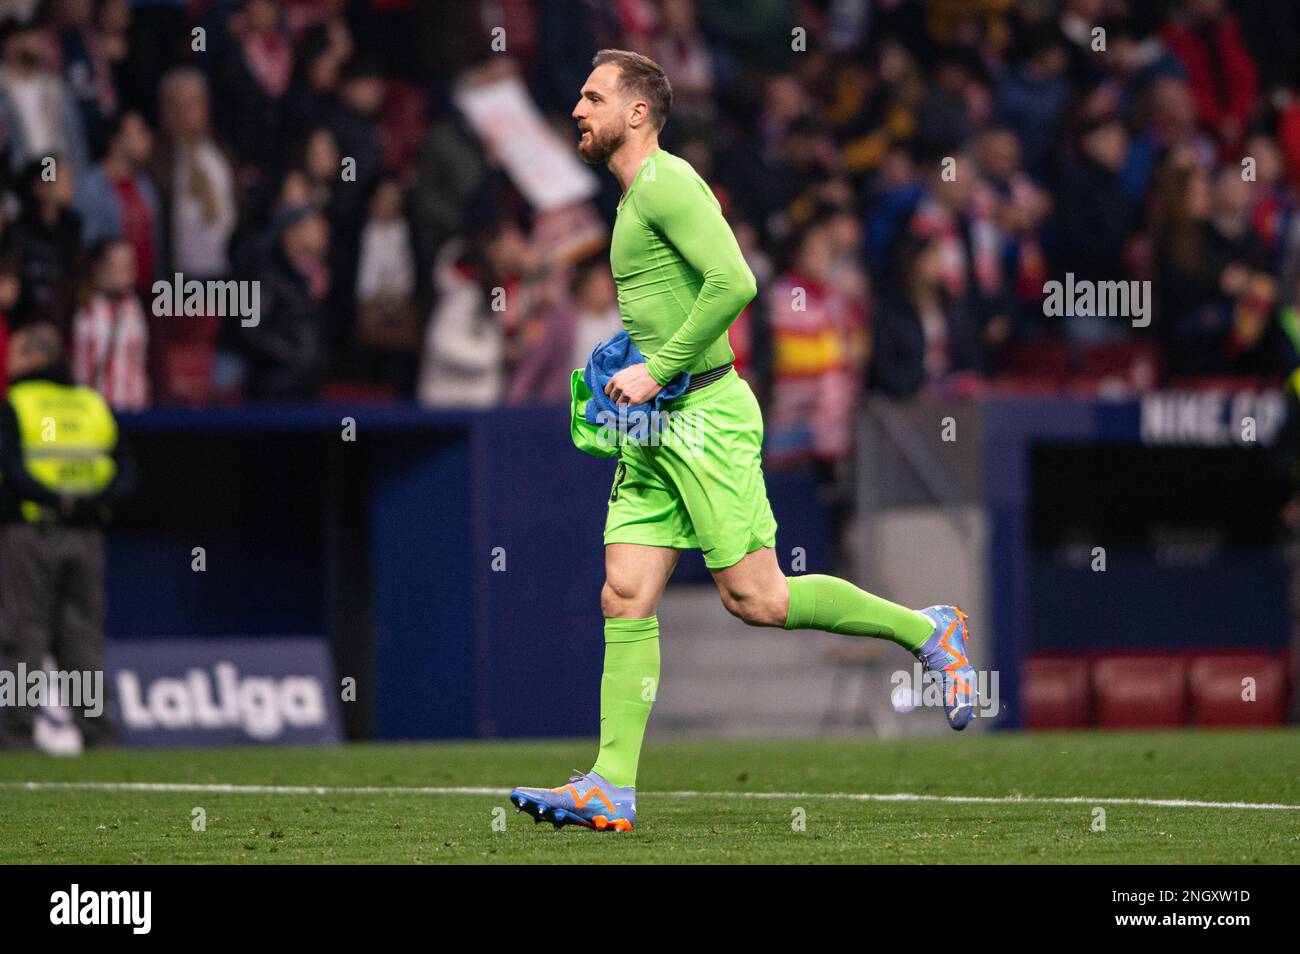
pixel 220 789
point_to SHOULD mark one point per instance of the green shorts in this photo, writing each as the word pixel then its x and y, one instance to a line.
pixel 698 484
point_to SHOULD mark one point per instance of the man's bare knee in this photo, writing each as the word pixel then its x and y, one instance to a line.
pixel 634 579
pixel 752 607
pixel 754 589
pixel 621 600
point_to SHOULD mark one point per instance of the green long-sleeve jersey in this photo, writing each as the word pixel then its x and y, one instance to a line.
pixel 681 278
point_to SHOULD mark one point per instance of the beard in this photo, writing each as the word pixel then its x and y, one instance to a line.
pixel 599 148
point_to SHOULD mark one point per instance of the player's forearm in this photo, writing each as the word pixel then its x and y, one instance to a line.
pixel 727 289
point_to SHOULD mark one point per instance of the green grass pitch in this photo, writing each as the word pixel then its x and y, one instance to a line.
pixel 91 825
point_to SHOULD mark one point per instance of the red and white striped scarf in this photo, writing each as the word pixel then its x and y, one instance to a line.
pixel 110 341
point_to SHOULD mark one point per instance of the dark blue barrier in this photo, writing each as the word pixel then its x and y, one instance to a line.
pixel 452 559
pixel 1120 473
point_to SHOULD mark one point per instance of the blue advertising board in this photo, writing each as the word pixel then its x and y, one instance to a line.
pixel 185 692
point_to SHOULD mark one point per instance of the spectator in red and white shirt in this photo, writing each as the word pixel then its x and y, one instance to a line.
pixel 117 200
pixel 110 336
pixel 818 349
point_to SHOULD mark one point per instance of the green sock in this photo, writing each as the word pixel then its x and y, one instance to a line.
pixel 627 690
pixel 837 606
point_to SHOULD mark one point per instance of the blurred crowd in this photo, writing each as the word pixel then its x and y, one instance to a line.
pixel 904 177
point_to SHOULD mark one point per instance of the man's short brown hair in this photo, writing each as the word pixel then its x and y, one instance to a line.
pixel 642 77
pixel 38 340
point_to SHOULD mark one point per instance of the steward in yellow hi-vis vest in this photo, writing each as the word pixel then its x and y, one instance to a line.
pixel 62 467
pixel 66 438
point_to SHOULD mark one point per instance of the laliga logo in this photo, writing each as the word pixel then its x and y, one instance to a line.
pixel 260 705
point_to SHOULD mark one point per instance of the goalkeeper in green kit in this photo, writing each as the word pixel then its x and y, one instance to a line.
pixel 681 283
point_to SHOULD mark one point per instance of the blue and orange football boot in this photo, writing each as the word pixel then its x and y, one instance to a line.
pixel 588 800
pixel 945 653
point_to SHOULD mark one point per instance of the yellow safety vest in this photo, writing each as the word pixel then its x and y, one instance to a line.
pixel 68 435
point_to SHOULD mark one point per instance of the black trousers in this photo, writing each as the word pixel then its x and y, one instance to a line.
pixel 52 603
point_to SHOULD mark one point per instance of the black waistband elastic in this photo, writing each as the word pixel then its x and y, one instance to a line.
pixel 705 378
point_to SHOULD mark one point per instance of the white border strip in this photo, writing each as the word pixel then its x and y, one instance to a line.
pixel 501 792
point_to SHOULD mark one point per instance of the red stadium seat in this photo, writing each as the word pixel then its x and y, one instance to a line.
pixel 1047 357
pixel 350 392
pixel 187 372
pixel 1217 689
pixel 1016 385
pixel 1140 691
pixel 1054 693
pixel 1123 358
pixel 184 353
pixel 1121 368
pixel 1221 382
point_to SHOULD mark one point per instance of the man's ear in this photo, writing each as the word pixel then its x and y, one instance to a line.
pixel 638 113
